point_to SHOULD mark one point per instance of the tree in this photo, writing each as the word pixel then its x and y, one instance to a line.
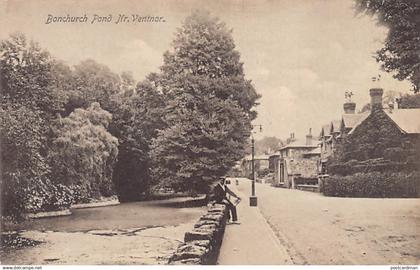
pixel 410 101
pixel 93 82
pixel 23 166
pixel 84 152
pixel 267 145
pixel 29 103
pixel 26 76
pixel 402 45
pixel 208 106
pixel 136 122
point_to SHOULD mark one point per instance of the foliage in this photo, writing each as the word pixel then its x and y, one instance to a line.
pixel 26 76
pixel 402 45
pixel 392 163
pixel 47 197
pixel 201 144
pixel 84 153
pixel 208 106
pixel 29 102
pixel 374 184
pixel 92 82
pixel 406 101
pixel 23 166
pixel 410 101
pixel 267 144
pixel 370 139
pixel 136 121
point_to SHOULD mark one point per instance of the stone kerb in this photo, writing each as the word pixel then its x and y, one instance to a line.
pixel 202 244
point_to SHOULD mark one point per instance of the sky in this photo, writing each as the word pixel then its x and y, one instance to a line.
pixel 301 55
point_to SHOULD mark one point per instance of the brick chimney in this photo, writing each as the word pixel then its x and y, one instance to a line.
pixel 309 137
pixel 376 98
pixel 349 107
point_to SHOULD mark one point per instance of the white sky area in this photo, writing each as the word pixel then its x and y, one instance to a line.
pixel 301 55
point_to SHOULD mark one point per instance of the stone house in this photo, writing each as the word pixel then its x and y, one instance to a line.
pixel 332 133
pixel 297 160
pixel 382 129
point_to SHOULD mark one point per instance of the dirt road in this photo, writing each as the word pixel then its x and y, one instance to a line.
pixel 326 230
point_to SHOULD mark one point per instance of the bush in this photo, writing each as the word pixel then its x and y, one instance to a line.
pixel 263 173
pixel 374 184
pixel 47 197
pixel 371 165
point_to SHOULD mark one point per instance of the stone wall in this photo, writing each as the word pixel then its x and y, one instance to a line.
pixel 202 244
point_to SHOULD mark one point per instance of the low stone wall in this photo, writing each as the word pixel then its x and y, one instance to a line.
pixel 202 244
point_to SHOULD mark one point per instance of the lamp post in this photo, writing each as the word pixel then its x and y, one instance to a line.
pixel 253 201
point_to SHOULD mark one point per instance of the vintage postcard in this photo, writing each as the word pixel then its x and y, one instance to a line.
pixel 226 132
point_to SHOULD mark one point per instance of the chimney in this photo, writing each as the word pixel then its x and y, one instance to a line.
pixel 309 137
pixel 291 138
pixel 376 98
pixel 349 107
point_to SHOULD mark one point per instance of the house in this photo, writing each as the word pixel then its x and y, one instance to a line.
pixel 296 161
pixel 332 133
pixel 382 129
pixel 372 132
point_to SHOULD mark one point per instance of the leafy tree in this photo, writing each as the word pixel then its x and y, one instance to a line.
pixel 410 101
pixel 208 106
pixel 29 103
pixel 267 145
pixel 26 76
pixel 135 124
pixel 402 46
pixel 23 166
pixel 84 152
pixel 93 82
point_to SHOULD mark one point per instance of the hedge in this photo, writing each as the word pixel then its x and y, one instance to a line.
pixel 374 184
pixel 371 165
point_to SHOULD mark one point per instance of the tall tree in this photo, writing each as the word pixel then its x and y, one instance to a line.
pixel 136 121
pixel 208 106
pixel 401 51
pixel 29 102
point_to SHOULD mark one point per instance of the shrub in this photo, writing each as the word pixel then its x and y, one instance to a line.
pixel 371 165
pixel 374 184
pixel 263 173
pixel 47 197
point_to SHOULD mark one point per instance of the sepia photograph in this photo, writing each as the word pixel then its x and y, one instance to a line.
pixel 226 133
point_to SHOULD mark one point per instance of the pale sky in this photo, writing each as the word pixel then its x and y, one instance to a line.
pixel 301 55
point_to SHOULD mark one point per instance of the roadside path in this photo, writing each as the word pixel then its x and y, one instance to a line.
pixel 252 242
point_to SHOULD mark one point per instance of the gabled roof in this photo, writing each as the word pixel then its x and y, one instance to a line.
pixel 408 120
pixel 300 144
pixel 335 126
pixel 325 130
pixel 350 120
